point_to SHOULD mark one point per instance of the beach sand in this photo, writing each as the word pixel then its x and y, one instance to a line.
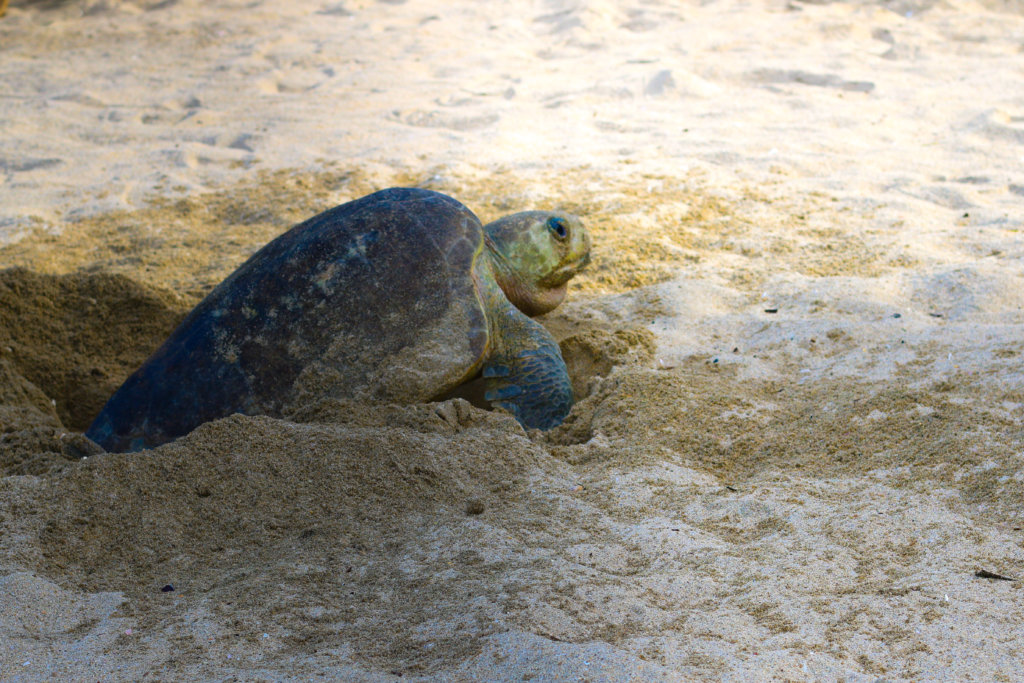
pixel 798 447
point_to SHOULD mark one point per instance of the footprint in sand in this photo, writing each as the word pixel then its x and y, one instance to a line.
pixel 587 17
pixel 1001 123
pixel 936 194
pixel 294 80
pixel 53 612
pixel 661 82
pixel 436 119
pixel 86 99
pixel 770 76
pixel 8 165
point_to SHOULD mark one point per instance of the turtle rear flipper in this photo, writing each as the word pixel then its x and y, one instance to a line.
pixel 526 375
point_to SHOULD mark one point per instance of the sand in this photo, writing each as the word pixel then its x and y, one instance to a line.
pixel 798 449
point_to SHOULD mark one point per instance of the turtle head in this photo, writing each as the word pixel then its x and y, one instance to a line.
pixel 535 254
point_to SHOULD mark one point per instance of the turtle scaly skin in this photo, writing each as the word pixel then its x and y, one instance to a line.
pixel 394 297
pixel 525 373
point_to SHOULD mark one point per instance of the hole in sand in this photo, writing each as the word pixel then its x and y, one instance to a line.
pixel 76 337
pixel 68 341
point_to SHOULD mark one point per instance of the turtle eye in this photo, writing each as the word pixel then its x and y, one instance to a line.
pixel 559 227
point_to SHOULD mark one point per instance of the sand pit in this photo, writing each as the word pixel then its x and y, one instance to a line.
pixel 798 447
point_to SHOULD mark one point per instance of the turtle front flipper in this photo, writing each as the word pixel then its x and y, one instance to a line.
pixel 525 374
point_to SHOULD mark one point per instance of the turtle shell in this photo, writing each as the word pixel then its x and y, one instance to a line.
pixel 376 299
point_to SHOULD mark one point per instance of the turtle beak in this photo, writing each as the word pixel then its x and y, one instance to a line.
pixel 567 270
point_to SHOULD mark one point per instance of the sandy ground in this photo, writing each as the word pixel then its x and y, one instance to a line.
pixel 799 352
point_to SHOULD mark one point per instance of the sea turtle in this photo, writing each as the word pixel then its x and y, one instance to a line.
pixel 396 297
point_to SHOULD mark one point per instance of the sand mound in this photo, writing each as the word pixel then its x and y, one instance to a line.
pixel 679 508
